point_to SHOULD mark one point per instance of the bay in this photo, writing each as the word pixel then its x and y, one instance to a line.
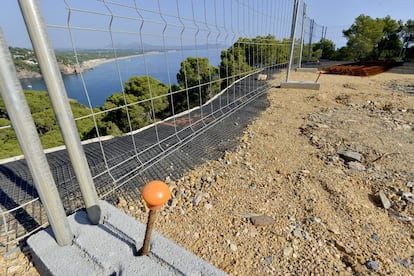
pixel 108 78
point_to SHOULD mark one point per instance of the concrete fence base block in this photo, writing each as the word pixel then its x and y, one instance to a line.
pixel 310 70
pixel 108 249
pixel 301 85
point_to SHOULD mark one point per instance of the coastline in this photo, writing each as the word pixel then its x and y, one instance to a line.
pixel 84 66
pixel 93 63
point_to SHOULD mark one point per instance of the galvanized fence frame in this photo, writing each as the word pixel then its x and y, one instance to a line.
pixel 106 170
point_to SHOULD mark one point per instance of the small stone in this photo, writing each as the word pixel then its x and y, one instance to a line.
pixel 268 259
pixel 197 199
pixel 356 166
pixel 173 202
pixel 121 202
pixel 287 251
pixel 334 229
pixel 262 220
pixel 407 194
pixel 208 206
pixel 375 237
pixel 218 179
pixel 373 265
pixel 360 259
pixel 350 156
pixel 233 247
pixel 204 178
pixel 384 200
pixel 410 184
pixel 13 269
pixel 403 262
pixel 306 236
pixel 409 199
pixel 253 233
pixel 298 233
pixel 317 220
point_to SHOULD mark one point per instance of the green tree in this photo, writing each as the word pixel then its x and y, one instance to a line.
pixel 119 109
pixel 326 47
pixel 363 36
pixel 266 50
pixel 370 38
pixel 150 93
pixel 407 37
pixel 390 44
pixel 45 123
pixel 343 53
pixel 234 60
pixel 200 79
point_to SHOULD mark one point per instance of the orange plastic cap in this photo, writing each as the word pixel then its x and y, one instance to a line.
pixel 155 194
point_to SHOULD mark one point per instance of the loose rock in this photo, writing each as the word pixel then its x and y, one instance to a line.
pixel 403 262
pixel 384 200
pixel 262 220
pixel 373 265
pixel 350 156
pixel 287 251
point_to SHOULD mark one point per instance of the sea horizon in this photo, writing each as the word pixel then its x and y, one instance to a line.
pixel 107 78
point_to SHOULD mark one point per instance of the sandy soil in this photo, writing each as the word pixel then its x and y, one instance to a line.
pixel 324 214
pixel 321 207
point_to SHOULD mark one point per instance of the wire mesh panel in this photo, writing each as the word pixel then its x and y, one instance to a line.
pixel 156 87
pixel 313 36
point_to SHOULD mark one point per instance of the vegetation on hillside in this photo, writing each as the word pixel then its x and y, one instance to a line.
pixel 377 39
pixel 145 99
pixel 25 59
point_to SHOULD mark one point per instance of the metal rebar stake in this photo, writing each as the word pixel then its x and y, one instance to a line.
pixel 152 216
pixel 155 194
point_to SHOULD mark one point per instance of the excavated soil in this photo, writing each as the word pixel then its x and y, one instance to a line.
pixel 301 193
pixel 362 69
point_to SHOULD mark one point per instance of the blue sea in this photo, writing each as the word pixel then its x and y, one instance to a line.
pixel 108 78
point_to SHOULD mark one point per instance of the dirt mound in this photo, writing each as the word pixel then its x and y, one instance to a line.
pixel 362 69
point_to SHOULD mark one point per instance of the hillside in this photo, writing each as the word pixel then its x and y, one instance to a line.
pixel 27 65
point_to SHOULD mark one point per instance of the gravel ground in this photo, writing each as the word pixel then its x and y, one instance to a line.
pixel 302 192
pixel 321 183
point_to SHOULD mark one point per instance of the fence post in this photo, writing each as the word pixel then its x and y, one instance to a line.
pixel 51 74
pixel 18 110
pixel 323 31
pixel 292 36
pixel 312 23
pixel 302 36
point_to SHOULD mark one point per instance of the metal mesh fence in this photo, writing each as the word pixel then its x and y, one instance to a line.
pixel 156 88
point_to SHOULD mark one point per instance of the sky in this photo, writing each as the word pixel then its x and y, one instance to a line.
pixel 336 15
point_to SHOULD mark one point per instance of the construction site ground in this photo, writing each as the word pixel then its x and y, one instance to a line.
pixel 321 182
